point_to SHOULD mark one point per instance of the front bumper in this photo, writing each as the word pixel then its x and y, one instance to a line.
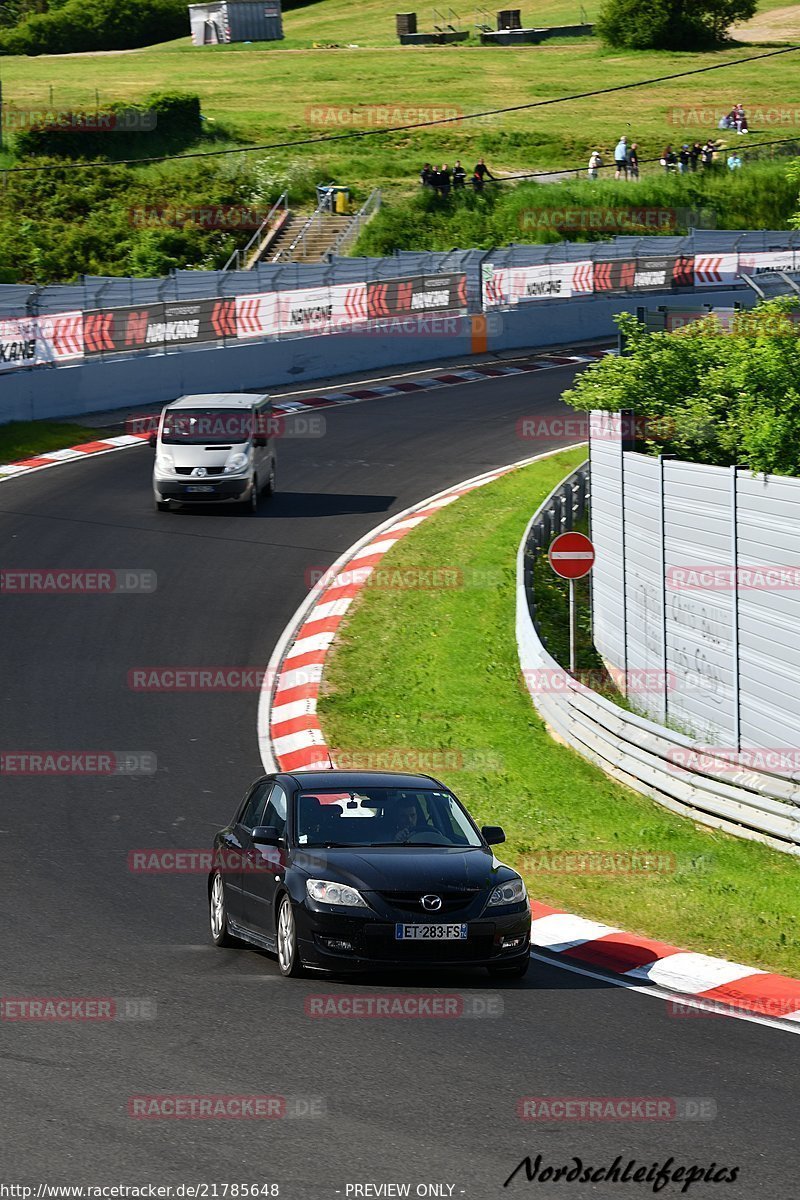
pixel 215 488
pixel 373 943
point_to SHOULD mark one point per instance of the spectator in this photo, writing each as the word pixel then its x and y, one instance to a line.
pixel 479 174
pixel 633 160
pixel 621 159
pixel 669 159
pixel 740 119
pixel 459 175
pixel 426 176
pixel 707 154
pixel 595 163
pixel 694 155
pixel 443 183
pixel 734 162
pixel 684 159
pixel 729 120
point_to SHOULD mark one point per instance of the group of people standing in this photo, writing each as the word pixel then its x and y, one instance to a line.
pixel 443 180
pixel 682 161
pixel 689 157
pixel 626 161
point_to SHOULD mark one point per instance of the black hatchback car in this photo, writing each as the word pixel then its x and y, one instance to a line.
pixel 350 870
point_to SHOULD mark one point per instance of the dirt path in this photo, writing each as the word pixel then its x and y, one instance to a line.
pixel 778 25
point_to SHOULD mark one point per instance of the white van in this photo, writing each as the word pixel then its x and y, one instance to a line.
pixel 212 449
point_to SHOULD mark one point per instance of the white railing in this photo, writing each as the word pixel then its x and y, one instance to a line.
pixel 364 214
pixel 240 257
pixel 644 756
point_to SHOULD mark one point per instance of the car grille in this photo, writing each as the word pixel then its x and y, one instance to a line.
pixel 411 902
pixel 209 471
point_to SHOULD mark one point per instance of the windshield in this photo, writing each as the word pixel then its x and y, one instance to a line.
pixel 380 816
pixel 207 426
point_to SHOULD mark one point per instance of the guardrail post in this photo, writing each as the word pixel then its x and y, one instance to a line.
pixel 663 541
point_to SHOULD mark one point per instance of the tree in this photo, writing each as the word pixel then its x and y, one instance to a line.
pixel 708 395
pixel 670 24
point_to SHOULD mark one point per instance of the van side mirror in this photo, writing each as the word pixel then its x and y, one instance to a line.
pixel 260 440
pixel 493 835
pixel 153 440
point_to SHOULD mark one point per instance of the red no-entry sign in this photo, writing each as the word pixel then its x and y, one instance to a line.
pixel 572 555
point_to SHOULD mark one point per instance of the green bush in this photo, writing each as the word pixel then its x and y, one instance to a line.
pixel 670 24
pixel 82 25
pixel 709 396
pixel 170 119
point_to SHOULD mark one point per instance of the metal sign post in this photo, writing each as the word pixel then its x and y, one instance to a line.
pixel 572 557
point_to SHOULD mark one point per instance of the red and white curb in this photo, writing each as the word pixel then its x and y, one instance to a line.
pixel 56 458
pixel 704 983
pixel 541 362
pixel 291 738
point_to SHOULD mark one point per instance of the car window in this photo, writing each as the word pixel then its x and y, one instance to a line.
pixel 256 802
pixel 275 812
pixel 379 816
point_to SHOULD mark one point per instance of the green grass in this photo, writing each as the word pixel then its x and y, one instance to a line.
pixel 264 92
pixel 24 439
pixel 438 671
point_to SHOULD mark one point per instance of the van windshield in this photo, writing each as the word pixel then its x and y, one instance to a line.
pixel 208 426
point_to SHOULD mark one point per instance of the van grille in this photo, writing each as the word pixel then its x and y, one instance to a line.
pixel 209 470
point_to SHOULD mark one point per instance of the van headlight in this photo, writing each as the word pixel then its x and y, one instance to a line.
pixel 236 463
pixel 165 463
pixel 512 892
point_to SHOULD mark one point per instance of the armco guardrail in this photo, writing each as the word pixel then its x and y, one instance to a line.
pixel 63 325
pixel 652 760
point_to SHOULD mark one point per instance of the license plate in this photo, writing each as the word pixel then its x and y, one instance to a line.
pixel 208 488
pixel 430 933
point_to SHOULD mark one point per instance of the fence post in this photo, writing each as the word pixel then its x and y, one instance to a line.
pixel 663 540
pixel 737 730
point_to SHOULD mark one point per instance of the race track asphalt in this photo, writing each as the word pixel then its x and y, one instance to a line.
pixel 406 1101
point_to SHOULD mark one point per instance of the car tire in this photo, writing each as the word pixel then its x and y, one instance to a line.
pixel 269 490
pixel 288 952
pixel 515 971
pixel 218 913
pixel 162 505
pixel 250 505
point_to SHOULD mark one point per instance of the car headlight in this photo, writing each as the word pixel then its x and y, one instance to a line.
pixel 325 892
pixel 512 892
pixel 236 462
pixel 164 462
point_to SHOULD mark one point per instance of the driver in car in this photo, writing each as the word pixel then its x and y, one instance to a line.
pixel 409 820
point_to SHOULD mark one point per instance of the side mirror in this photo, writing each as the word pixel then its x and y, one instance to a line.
pixel 260 440
pixel 265 835
pixel 493 835
pixel 153 440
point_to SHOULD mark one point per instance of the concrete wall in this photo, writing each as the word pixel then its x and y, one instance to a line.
pixel 97 385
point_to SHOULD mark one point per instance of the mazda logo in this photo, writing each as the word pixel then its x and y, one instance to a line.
pixel 431 903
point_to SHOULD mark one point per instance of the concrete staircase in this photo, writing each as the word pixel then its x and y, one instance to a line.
pixel 309 243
